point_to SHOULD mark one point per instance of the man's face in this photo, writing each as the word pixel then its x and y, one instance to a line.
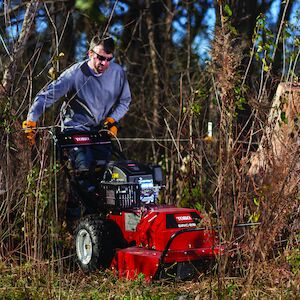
pixel 99 59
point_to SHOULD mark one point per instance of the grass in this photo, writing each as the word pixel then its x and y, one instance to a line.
pixel 44 281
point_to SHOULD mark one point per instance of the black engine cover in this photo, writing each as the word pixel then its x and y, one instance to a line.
pixel 129 171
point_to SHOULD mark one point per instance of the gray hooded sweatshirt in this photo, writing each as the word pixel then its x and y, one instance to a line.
pixel 90 97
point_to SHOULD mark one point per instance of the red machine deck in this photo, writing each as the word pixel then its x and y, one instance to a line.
pixel 163 236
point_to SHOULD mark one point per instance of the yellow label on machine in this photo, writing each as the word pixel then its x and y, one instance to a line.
pixel 115 175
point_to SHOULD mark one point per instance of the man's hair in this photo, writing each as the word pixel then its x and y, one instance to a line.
pixel 106 41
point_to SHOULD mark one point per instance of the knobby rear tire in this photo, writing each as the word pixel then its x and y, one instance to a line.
pixel 96 240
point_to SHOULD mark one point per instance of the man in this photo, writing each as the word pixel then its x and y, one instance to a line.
pixel 98 93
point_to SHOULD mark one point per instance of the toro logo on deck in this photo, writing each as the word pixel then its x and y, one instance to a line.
pixel 185 220
pixel 81 139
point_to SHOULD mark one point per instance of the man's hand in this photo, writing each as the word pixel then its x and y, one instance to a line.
pixel 30 130
pixel 111 125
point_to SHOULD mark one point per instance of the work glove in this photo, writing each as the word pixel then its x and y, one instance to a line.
pixel 111 125
pixel 30 130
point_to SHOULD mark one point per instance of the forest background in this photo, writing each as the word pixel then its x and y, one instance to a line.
pixel 188 63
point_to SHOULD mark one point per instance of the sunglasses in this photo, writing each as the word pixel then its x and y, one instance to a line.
pixel 102 58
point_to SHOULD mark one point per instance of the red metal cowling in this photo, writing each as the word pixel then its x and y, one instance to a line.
pixel 157 227
pixel 132 261
pixel 152 236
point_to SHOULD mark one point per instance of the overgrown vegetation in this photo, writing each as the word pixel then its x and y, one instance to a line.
pixel 42 281
pixel 246 172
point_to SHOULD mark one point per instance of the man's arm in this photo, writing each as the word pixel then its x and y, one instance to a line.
pixel 123 102
pixel 51 94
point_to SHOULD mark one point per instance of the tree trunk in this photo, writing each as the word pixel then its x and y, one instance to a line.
pixel 19 47
pixel 154 66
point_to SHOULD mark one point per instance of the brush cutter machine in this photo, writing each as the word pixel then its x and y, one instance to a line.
pixel 127 230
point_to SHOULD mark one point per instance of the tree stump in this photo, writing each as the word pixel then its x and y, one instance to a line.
pixel 279 146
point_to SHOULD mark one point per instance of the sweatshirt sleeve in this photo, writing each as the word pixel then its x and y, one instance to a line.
pixel 123 102
pixel 54 91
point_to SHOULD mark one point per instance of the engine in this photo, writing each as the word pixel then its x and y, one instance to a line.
pixel 149 178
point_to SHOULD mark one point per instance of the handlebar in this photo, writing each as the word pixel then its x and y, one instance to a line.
pixel 73 138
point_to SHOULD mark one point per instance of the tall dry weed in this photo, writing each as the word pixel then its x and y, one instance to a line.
pixel 270 197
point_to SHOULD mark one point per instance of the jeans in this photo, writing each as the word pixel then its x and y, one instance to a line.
pixel 85 157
